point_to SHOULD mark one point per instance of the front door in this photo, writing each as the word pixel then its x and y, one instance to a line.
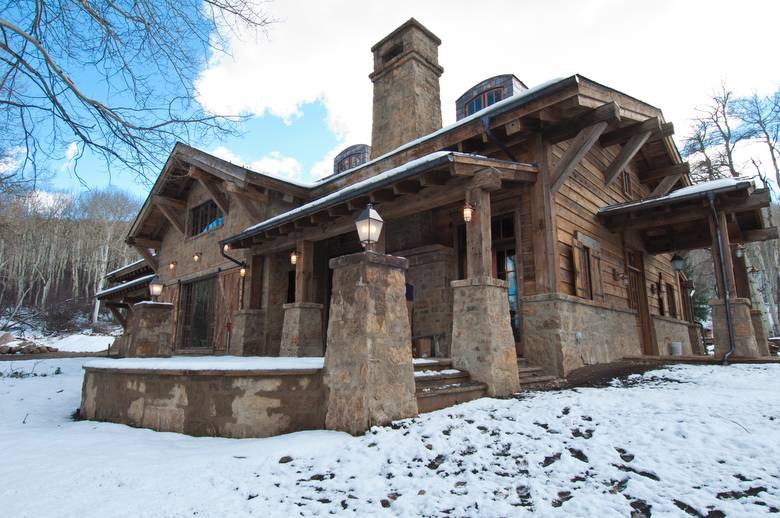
pixel 637 299
pixel 197 314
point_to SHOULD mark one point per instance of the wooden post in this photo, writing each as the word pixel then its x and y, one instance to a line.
pixel 544 227
pixel 303 270
pixel 478 241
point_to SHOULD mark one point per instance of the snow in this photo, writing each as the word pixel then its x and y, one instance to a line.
pixel 78 343
pixel 128 265
pixel 215 363
pixel 429 373
pixel 135 282
pixel 699 188
pixel 425 361
pixel 704 437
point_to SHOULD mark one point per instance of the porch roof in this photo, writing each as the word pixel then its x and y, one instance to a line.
pixel 679 220
pixel 125 287
pixel 408 178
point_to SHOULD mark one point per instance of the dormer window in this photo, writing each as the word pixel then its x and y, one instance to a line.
pixel 351 157
pixel 350 162
pixel 484 100
pixel 204 218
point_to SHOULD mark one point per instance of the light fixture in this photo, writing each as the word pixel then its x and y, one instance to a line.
pixel 196 256
pixel 369 227
pixel 652 289
pixel 678 263
pixel 242 271
pixel 468 212
pixel 740 251
pixel 626 280
pixel 226 248
pixel 172 265
pixel 155 288
pixel 294 257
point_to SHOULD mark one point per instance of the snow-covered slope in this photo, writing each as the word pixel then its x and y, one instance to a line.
pixel 676 441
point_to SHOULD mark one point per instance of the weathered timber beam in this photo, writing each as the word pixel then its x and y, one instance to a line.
pixel 665 185
pixel 663 172
pixel 565 130
pixel 382 195
pixel 658 220
pixel 434 178
pixel 522 125
pixel 118 316
pixel 407 187
pixel 174 215
pixel 627 153
pixel 620 135
pixel 358 203
pixel 320 217
pixel 339 210
pixel 211 187
pixel 174 203
pixel 762 234
pixel 576 150
pixel 150 259
pixel 145 242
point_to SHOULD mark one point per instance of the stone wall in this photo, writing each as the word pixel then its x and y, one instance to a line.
pixel 211 403
pixel 562 333
pixel 668 330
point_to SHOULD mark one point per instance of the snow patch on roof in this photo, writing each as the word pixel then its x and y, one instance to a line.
pixel 129 284
pixel 129 265
pixel 692 190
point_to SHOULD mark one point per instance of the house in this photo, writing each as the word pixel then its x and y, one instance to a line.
pixel 570 196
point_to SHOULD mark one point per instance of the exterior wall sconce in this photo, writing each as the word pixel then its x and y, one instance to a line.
pixel 678 263
pixel 226 248
pixel 652 289
pixel 468 212
pixel 740 251
pixel 294 257
pixel 196 256
pixel 155 288
pixel 172 265
pixel 369 226
pixel 242 271
pixel 620 276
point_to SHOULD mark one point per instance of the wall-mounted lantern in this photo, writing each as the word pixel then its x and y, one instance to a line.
pixel 196 256
pixel 369 227
pixel 226 248
pixel 155 288
pixel 172 265
pixel 242 271
pixel 740 251
pixel 468 212
pixel 294 257
pixel 678 263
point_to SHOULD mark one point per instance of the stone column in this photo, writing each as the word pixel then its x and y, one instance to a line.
pixel 368 362
pixel 149 330
pixel 482 339
pixel 744 335
pixel 248 333
pixel 302 327
pixel 762 343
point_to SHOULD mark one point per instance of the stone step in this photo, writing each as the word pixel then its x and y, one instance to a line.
pixel 429 378
pixel 528 371
pixel 444 395
pixel 527 381
pixel 431 364
pixel 522 362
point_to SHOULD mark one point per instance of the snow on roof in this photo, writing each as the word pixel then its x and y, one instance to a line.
pixel 127 266
pixel 699 189
pixel 129 284
pixel 518 98
pixel 325 201
pixel 211 363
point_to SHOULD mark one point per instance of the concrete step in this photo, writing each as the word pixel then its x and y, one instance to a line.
pixel 446 394
pixel 431 364
pixel 527 381
pixel 429 378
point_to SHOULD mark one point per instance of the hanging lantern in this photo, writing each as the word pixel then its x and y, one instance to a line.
pixel 740 251
pixel 294 257
pixel 369 226
pixel 196 256
pixel 678 263
pixel 242 271
pixel 172 265
pixel 468 212
pixel 155 288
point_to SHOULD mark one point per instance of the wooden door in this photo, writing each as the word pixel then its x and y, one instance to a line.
pixel 637 300
pixel 197 314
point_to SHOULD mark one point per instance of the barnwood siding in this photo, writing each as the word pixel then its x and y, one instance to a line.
pixel 576 205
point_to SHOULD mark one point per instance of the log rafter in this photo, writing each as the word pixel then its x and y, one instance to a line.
pixel 210 184
pixel 577 149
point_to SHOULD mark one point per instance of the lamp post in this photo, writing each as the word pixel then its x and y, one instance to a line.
pixel 369 227
pixel 155 288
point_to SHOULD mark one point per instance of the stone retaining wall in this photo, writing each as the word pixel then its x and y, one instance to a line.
pixel 222 403
pixel 668 330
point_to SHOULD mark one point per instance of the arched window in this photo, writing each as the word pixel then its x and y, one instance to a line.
pixel 484 99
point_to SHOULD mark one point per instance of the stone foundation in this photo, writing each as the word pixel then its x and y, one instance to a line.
pixel 562 333
pixel 368 361
pixel 762 342
pixel 482 339
pixel 668 330
pixel 220 403
pixel 149 331
pixel 302 330
pixel 248 338
pixel 744 335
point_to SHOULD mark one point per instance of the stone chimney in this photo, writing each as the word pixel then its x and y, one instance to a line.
pixel 406 87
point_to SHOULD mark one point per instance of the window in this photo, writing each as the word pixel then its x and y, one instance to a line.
pixel 659 293
pixel 197 313
pixel 671 303
pixel 205 217
pixel 586 268
pixel 349 162
pixel 484 100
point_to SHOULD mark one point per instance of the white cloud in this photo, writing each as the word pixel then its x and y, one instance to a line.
pixel 665 53
pixel 70 154
pixel 274 164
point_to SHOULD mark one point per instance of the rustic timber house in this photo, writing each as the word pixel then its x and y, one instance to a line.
pixel 570 196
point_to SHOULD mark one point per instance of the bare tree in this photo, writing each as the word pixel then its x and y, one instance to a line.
pixel 760 120
pixel 137 60
pixel 698 147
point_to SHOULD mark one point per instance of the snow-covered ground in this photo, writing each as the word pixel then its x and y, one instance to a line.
pixel 686 440
pixel 78 343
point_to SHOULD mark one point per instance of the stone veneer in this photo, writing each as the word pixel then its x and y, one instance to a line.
pixel 668 330
pixel 368 360
pixel 220 403
pixel 562 333
pixel 762 342
pixel 302 330
pixel 248 326
pixel 482 339
pixel 744 335
pixel 149 330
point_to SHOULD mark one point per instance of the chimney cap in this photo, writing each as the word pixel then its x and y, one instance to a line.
pixel 411 22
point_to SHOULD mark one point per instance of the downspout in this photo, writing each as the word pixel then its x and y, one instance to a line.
pixel 236 261
pixel 724 280
pixel 495 140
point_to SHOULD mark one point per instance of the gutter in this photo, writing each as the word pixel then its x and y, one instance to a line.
pixel 724 280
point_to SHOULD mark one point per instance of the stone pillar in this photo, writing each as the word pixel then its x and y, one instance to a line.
pixel 482 339
pixel 744 335
pixel 248 333
pixel 302 329
pixel 149 330
pixel 368 362
pixel 762 343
